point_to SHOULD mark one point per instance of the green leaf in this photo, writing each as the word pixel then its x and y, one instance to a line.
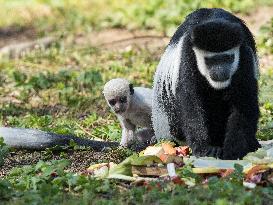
pixel 4 150
pixel 145 160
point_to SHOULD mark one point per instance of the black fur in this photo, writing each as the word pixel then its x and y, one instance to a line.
pixel 131 86
pixel 201 16
pixel 220 123
pixel 222 34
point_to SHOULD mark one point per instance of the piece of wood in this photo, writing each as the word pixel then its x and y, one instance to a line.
pixel 149 171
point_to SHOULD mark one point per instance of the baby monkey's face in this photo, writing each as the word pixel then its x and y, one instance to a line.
pixel 119 104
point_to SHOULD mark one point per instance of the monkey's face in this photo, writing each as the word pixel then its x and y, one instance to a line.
pixel 119 104
pixel 218 67
pixel 216 45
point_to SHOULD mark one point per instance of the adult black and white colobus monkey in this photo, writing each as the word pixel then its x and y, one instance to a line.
pixel 205 86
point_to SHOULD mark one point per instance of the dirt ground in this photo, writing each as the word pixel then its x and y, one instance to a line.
pixel 80 160
pixel 14 35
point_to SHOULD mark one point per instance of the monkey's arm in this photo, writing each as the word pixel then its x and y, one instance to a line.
pixel 240 136
pixel 242 123
pixel 195 128
pixel 128 130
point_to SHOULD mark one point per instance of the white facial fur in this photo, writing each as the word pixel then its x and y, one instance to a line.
pixel 200 58
pixel 117 87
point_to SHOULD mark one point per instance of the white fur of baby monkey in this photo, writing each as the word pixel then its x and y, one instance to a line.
pixel 140 108
pixel 116 87
pixel 133 112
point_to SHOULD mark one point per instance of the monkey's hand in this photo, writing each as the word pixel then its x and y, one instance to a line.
pixel 209 151
pixel 215 151
pixel 194 126
pixel 240 136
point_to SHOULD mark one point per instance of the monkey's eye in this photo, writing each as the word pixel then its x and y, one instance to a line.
pixel 112 102
pixel 219 59
pixel 123 99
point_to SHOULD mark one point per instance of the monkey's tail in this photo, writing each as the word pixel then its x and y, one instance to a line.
pixel 33 139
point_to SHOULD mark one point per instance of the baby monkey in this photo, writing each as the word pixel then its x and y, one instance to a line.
pixel 133 108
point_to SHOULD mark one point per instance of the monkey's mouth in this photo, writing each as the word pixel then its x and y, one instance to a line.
pixel 220 74
pixel 220 78
pixel 219 84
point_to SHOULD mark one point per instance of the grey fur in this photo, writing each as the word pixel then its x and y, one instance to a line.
pixel 136 112
pixel 33 139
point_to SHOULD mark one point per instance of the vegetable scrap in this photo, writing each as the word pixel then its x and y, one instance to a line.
pixel 167 162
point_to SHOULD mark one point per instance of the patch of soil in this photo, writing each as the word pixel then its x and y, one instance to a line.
pixel 121 39
pixel 257 18
pixel 266 61
pixel 13 35
pixel 80 160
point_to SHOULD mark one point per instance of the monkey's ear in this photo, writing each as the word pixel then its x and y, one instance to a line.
pixel 131 88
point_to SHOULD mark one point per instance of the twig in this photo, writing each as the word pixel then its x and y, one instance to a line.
pixel 88 133
pixel 131 38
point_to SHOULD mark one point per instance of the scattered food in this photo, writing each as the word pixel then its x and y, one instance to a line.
pixel 165 162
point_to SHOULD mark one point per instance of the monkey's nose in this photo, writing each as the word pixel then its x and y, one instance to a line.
pixel 219 74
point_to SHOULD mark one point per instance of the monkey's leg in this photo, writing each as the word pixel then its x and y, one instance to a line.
pixel 128 130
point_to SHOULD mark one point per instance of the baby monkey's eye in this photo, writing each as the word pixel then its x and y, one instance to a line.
pixel 112 102
pixel 123 99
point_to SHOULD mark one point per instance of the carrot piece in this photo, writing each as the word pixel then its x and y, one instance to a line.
pixel 168 149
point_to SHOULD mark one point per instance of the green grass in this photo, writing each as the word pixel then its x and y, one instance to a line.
pixel 59 89
pixel 48 183
pixel 81 16
pixel 61 98
pixel 266 41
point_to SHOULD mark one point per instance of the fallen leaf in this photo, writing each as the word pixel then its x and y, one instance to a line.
pixel 255 170
pixel 256 178
pixel 226 172
pixel 177 180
